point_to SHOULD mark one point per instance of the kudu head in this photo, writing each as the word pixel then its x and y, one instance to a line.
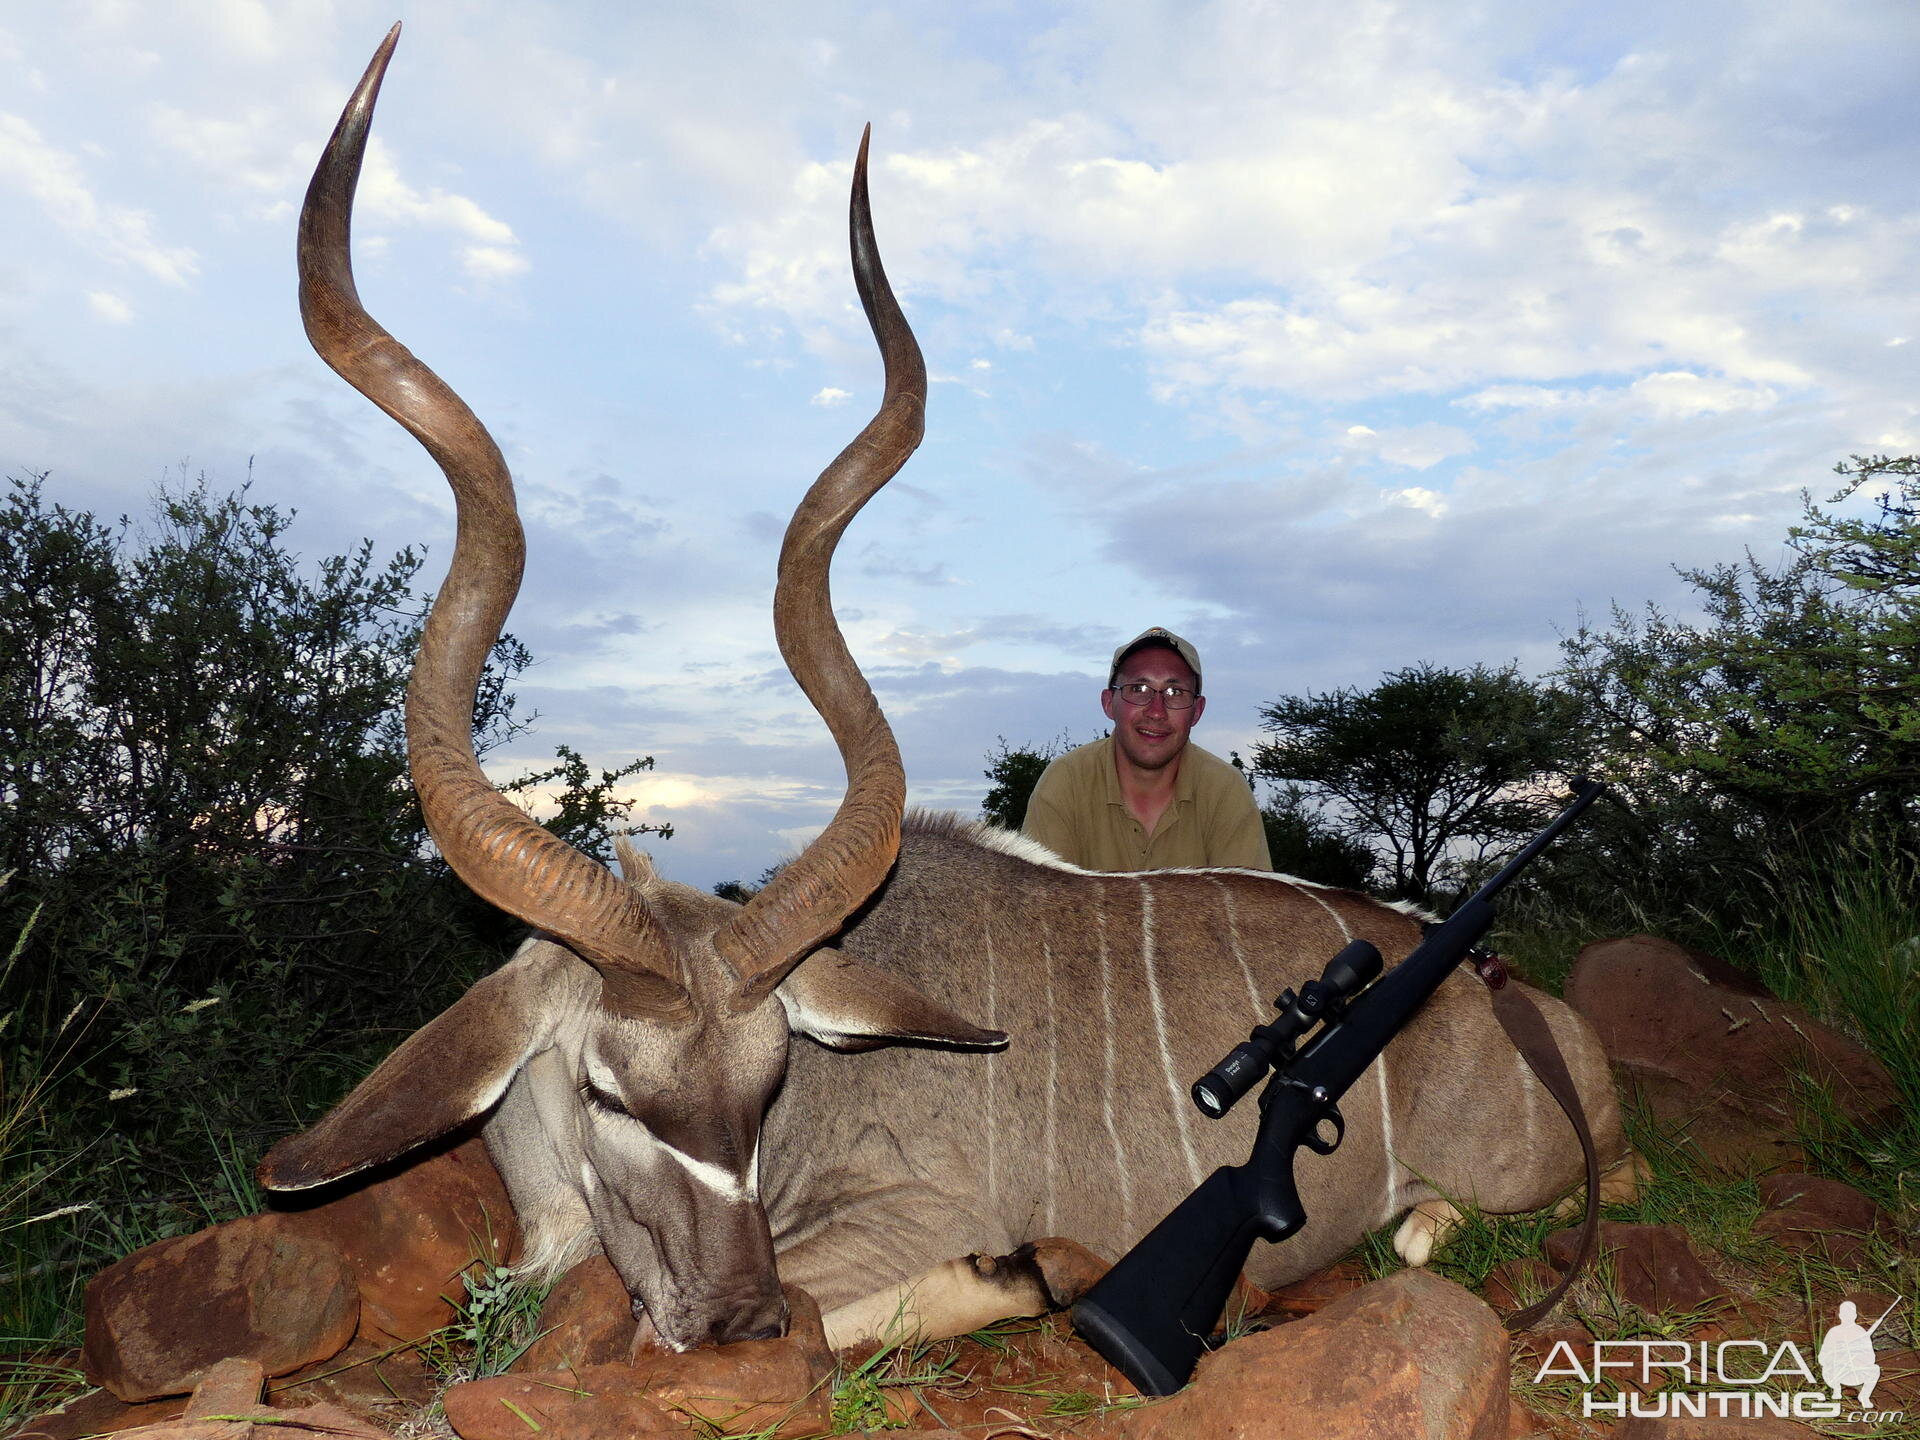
pixel 667 1012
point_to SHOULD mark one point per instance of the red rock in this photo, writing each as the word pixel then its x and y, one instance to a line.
pixel 230 1386
pixel 1844 1207
pixel 1660 1009
pixel 1314 1293
pixel 592 1404
pixel 226 1405
pixel 1523 1424
pixel 411 1233
pixel 1809 1214
pixel 767 1387
pixel 1414 1357
pixel 1713 1127
pixel 1654 1266
pixel 379 1383
pixel 1067 1268
pixel 807 1334
pixel 98 1412
pixel 160 1318
pixel 1899 1387
pixel 587 1320
pixel 1793 1230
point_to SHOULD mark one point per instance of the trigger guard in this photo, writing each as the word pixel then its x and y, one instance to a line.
pixel 1327 1147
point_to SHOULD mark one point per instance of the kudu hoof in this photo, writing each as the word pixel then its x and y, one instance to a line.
pixel 1428 1226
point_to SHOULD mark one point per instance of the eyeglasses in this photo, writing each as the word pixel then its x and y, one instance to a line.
pixel 1178 697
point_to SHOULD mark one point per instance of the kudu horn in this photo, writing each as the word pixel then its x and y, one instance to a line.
pixel 814 895
pixel 491 844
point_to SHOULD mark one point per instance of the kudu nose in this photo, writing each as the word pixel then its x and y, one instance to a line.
pixel 766 1320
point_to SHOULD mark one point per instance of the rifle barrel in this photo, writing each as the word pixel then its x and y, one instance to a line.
pixel 1585 793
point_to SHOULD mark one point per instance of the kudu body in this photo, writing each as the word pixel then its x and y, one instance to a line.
pixel 634 1063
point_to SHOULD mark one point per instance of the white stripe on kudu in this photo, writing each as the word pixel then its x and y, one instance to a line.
pixel 1053 1067
pixel 1120 1167
pixel 1392 1166
pixel 993 1118
pixel 727 1187
pixel 1174 1086
pixel 1346 931
pixel 1259 1001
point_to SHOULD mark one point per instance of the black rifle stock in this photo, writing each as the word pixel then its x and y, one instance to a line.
pixel 1150 1315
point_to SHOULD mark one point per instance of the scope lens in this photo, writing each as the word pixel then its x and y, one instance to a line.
pixel 1216 1091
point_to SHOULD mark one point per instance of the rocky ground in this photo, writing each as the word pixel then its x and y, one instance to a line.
pixel 330 1320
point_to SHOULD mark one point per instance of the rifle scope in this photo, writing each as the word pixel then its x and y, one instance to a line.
pixel 1247 1063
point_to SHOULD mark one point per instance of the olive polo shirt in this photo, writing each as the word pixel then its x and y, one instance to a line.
pixel 1078 812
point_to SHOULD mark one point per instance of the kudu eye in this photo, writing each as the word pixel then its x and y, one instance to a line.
pixel 603 1100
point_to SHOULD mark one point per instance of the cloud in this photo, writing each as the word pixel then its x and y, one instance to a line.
pixel 493 253
pixel 110 308
pixel 1415 447
pixel 1403 343
pixel 1674 394
pixel 492 262
pixel 252 149
pixel 1427 502
pixel 56 180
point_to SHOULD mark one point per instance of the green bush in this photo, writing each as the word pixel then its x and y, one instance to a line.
pixel 224 905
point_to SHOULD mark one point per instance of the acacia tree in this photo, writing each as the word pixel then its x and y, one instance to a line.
pixel 1430 768
pixel 1788 718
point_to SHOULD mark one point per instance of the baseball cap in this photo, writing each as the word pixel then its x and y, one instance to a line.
pixel 1155 635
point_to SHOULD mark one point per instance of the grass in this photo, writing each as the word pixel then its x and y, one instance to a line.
pixel 495 1321
pixel 860 1393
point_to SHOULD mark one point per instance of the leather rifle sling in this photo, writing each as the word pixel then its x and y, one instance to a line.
pixel 1527 1028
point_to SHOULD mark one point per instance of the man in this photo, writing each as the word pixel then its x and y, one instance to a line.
pixel 1143 798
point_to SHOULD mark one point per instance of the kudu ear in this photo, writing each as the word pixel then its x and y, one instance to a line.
pixel 450 1070
pixel 848 1006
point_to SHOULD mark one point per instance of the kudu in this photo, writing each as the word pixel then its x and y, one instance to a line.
pixel 634 1062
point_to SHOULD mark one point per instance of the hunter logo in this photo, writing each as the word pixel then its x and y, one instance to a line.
pixel 1729 1379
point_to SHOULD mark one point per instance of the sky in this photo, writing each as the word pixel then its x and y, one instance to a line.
pixel 1336 337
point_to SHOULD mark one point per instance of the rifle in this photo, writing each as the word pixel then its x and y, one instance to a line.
pixel 1149 1316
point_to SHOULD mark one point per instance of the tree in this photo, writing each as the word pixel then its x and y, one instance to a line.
pixel 1014 773
pixel 1301 842
pixel 1429 769
pixel 215 852
pixel 1787 720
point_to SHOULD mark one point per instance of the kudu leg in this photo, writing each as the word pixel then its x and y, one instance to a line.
pixel 962 1295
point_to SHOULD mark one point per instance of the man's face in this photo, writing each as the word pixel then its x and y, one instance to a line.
pixel 1151 736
